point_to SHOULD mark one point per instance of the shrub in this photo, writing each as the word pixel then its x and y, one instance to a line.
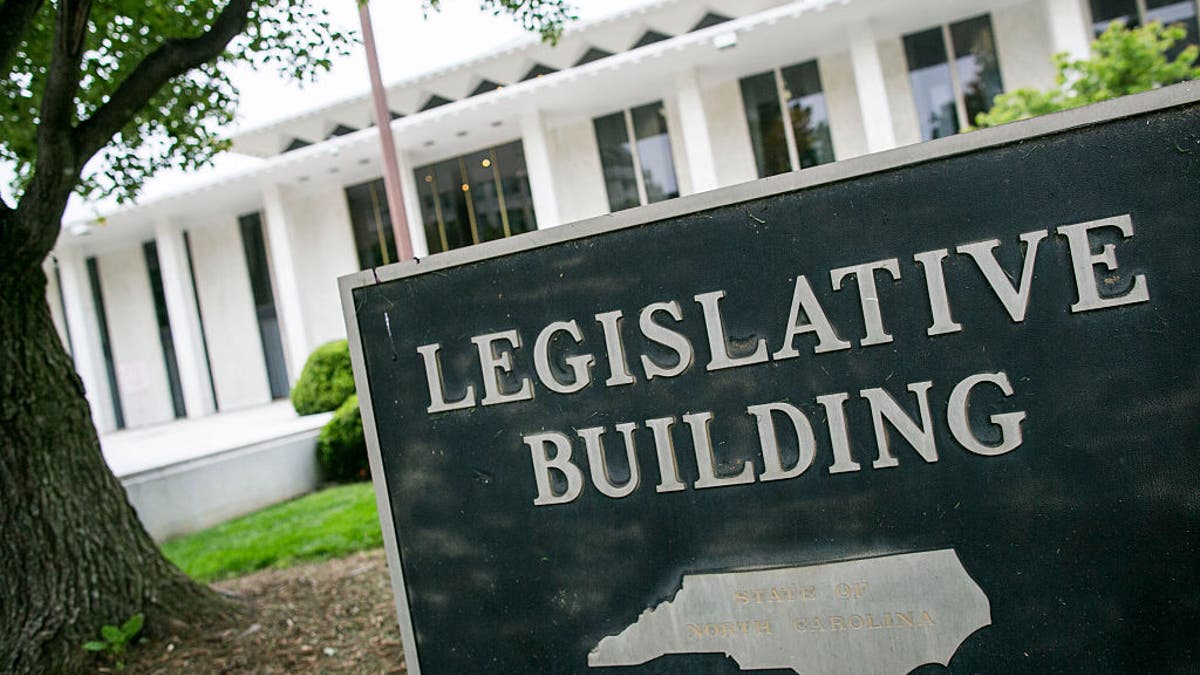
pixel 341 447
pixel 326 380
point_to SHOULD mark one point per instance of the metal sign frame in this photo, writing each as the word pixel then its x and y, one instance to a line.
pixel 1157 100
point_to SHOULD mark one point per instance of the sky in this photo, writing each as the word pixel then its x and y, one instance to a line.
pixel 409 43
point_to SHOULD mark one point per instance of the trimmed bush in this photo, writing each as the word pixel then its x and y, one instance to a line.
pixel 326 380
pixel 341 447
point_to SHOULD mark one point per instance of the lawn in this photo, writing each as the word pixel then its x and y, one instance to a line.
pixel 328 524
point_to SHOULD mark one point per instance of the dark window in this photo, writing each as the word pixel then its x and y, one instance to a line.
pixel 616 158
pixel 341 130
pixel 765 119
pixel 593 54
pixel 165 338
pixel 476 197
pixel 434 101
pixel 372 224
pixel 945 99
pixel 976 64
pixel 212 384
pixel 809 116
pixel 538 70
pixel 296 144
pixel 1105 12
pixel 639 172
pixel 486 86
pixel 654 152
pixel 1166 12
pixel 932 85
pixel 254 246
pixel 649 38
pixel 62 305
pixel 801 106
pixel 110 368
pixel 710 19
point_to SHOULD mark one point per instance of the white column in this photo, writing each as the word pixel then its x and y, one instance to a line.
pixel 287 292
pixel 184 317
pixel 697 141
pixel 541 172
pixel 85 337
pixel 872 89
pixel 412 205
pixel 1069 28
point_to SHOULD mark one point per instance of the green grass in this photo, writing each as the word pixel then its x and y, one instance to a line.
pixel 328 524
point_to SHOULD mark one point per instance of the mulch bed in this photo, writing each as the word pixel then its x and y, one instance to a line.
pixel 331 617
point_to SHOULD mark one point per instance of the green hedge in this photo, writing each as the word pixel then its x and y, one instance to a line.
pixel 341 447
pixel 326 381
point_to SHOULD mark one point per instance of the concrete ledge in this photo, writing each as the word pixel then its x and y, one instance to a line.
pixel 193 494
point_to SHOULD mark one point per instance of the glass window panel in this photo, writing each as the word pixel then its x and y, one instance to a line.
pixel 1175 12
pixel 1105 11
pixel 165 337
pixel 765 119
pixel 977 64
pixel 431 212
pixel 372 224
pixel 654 152
pixel 480 196
pixel 933 89
pixel 509 168
pixel 809 115
pixel 616 157
pixel 486 195
pixel 452 199
pixel 255 247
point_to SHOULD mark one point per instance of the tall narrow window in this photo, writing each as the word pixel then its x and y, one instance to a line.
pixel 476 197
pixel 635 153
pixel 254 246
pixel 955 75
pixel 110 368
pixel 212 382
pixel 372 224
pixel 165 338
pixel 62 305
pixel 1139 12
pixel 788 119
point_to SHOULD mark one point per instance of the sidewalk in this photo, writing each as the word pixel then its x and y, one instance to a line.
pixel 133 451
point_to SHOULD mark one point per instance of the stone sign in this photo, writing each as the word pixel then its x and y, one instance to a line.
pixel 939 405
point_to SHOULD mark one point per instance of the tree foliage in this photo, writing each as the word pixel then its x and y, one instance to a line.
pixel 1123 61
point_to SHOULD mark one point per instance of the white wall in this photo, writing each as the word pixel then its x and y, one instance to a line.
pixel 239 369
pixel 683 169
pixel 323 250
pixel 578 174
pixel 900 98
pixel 841 96
pixel 133 331
pixel 729 132
pixel 1025 46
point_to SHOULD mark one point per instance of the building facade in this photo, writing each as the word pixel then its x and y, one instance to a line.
pixel 211 298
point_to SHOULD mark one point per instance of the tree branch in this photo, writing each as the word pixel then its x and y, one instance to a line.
pixel 173 58
pixel 15 18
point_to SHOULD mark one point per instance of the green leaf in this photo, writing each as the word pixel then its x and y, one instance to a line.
pixel 133 625
pixel 112 634
pixel 95 646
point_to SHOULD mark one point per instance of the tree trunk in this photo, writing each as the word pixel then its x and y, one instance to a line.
pixel 73 555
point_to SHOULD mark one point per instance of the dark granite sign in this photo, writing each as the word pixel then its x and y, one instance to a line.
pixel 940 405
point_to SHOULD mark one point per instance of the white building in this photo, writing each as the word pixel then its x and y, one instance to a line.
pixel 210 299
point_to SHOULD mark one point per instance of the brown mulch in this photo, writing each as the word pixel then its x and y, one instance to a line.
pixel 331 617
